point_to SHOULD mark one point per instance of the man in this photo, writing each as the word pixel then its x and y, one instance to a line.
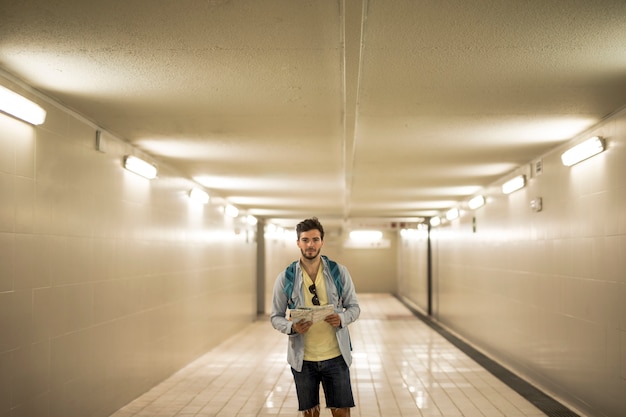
pixel 321 351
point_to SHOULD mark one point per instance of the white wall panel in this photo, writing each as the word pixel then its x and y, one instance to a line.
pixel 544 292
pixel 108 282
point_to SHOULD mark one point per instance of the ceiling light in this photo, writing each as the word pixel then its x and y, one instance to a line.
pixel 582 151
pixel 476 202
pixel 231 211
pixel 435 221
pixel 198 196
pixel 514 184
pixel 452 214
pixel 21 107
pixel 251 220
pixel 140 167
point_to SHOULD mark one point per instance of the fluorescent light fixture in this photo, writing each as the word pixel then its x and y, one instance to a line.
pixel 452 214
pixel 582 151
pixel 231 211
pixel 435 221
pixel 514 184
pixel 476 202
pixel 21 107
pixel 140 167
pixel 366 235
pixel 198 196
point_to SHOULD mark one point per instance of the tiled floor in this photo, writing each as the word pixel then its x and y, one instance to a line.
pixel 401 367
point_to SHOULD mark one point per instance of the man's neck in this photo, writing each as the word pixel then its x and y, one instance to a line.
pixel 311 266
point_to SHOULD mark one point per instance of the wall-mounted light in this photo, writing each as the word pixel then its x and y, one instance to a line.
pixel 435 221
pixel 452 214
pixel 582 151
pixel 476 202
pixel 514 184
pixel 140 167
pixel 198 196
pixel 231 211
pixel 21 107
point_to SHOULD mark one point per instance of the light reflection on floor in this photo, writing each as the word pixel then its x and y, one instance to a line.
pixel 401 368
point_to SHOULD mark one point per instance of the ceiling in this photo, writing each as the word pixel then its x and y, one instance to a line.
pixel 354 111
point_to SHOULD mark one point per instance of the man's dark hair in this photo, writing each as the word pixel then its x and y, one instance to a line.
pixel 310 224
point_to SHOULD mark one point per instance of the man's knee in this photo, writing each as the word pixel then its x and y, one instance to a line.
pixel 340 412
pixel 312 412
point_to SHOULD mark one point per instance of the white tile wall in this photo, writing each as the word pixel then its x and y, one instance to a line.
pixel 108 282
pixel 545 293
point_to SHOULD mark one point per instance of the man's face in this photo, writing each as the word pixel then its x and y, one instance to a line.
pixel 310 243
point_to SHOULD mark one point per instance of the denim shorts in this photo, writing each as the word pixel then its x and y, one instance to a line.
pixel 334 375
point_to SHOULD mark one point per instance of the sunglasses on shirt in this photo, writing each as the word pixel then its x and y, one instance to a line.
pixel 313 290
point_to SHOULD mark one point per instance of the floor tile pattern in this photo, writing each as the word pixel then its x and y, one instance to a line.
pixel 401 368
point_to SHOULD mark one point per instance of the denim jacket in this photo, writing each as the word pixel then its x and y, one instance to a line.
pixel 347 308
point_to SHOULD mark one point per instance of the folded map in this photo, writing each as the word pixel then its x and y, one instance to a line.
pixel 314 314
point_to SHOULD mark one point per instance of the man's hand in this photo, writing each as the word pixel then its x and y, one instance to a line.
pixel 334 320
pixel 302 326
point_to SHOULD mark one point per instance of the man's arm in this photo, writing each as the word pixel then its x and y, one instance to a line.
pixel 350 302
pixel 278 316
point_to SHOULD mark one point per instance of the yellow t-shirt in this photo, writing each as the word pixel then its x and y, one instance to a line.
pixel 320 342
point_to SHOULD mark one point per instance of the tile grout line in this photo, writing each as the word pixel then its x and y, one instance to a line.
pixel 547 404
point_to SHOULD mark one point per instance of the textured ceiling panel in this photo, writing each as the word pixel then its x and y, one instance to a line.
pixel 346 109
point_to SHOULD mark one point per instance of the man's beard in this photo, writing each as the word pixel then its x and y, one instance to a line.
pixel 310 257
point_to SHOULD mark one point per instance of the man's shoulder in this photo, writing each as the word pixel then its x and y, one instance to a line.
pixel 290 270
pixel 332 263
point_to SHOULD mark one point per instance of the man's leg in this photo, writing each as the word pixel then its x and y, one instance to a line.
pixel 312 412
pixel 337 387
pixel 308 389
